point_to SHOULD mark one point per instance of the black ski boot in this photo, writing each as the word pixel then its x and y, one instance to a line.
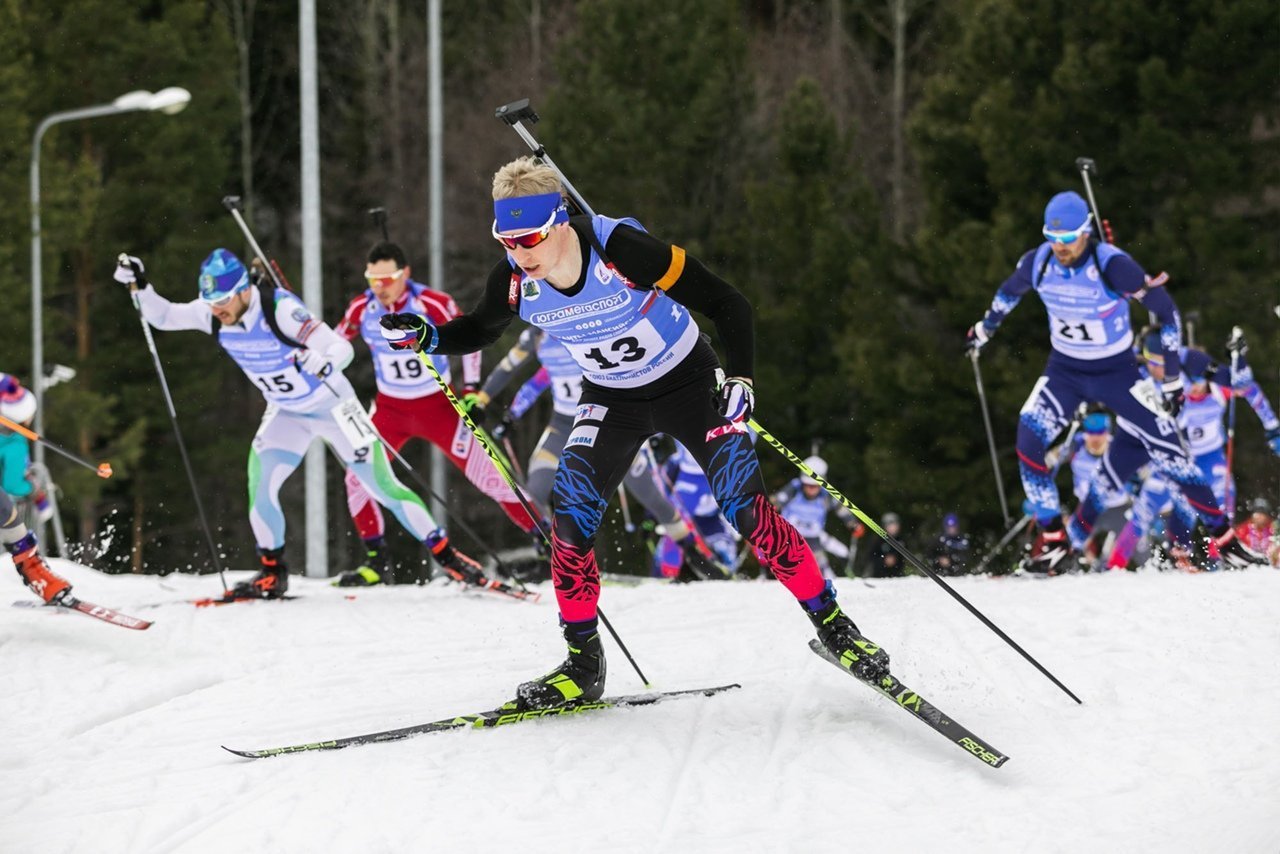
pixel 861 657
pixel 271 582
pixel 376 569
pixel 579 679
pixel 456 565
pixel 1050 550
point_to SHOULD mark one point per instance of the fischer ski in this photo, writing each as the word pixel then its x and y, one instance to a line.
pixel 486 720
pixel 921 708
pixel 107 615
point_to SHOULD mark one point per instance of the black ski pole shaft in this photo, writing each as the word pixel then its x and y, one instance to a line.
pixel 904 551
pixel 515 114
pixel 991 438
pixel 486 444
pixel 173 419
pixel 1004 541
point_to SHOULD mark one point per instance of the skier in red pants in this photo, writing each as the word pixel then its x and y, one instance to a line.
pixel 409 403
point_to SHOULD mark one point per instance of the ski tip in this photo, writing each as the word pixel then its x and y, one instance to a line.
pixel 243 754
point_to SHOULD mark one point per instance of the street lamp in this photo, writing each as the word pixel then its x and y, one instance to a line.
pixel 168 101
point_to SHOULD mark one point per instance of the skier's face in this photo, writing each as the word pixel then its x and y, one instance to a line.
pixel 547 258
pixel 1260 520
pixel 810 490
pixel 1156 370
pixel 230 312
pixel 387 280
pixel 1097 443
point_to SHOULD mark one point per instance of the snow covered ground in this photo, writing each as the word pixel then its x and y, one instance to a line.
pixel 112 736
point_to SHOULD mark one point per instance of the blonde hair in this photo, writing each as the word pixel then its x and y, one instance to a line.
pixel 525 177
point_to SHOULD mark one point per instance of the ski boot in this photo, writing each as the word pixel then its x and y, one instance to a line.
pixel 1049 551
pixel 579 679
pixel 1235 554
pixel 376 569
pixel 861 657
pixel 271 582
pixel 36 573
pixel 455 564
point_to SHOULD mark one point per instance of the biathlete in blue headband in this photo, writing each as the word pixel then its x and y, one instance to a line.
pixel 619 300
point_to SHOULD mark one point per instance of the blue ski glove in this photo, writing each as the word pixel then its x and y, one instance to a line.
pixel 408 331
pixel 1273 439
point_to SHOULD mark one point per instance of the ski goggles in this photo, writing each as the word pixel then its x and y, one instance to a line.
pixel 1072 236
pixel 223 302
pixel 526 239
pixel 386 280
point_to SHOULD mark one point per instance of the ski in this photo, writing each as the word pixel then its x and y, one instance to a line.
pixel 215 601
pixel 486 720
pixel 493 585
pixel 925 711
pixel 100 612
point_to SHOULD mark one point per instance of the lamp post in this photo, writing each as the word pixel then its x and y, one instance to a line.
pixel 167 101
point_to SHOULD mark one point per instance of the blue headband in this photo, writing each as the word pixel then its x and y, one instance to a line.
pixel 528 213
pixel 1097 422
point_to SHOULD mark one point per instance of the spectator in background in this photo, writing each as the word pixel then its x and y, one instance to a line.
pixel 885 562
pixel 951 550
pixel 1259 532
pixel 17 404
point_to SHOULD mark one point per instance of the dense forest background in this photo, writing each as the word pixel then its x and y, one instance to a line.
pixel 867 172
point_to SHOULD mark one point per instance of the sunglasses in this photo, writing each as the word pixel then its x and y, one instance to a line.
pixel 525 239
pixel 385 280
pixel 1068 236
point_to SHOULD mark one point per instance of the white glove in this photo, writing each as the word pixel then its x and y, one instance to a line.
pixel 313 362
pixel 124 272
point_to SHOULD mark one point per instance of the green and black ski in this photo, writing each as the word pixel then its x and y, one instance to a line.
pixel 925 711
pixel 485 720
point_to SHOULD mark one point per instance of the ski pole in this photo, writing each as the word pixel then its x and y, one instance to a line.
pixel 991 438
pixel 1004 541
pixel 140 279
pixel 902 550
pixel 627 524
pixel 1237 346
pixel 486 444
pixel 102 470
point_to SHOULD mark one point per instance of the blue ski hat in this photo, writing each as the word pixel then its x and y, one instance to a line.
pixel 1097 422
pixel 1066 212
pixel 221 275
